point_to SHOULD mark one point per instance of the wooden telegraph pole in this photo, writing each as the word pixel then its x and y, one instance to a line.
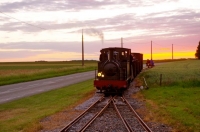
pixel 151 50
pixel 82 49
pixel 122 42
pixel 172 52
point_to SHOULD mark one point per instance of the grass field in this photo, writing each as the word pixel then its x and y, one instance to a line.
pixel 16 72
pixel 23 114
pixel 176 102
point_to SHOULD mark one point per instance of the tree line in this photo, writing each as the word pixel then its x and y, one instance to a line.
pixel 197 54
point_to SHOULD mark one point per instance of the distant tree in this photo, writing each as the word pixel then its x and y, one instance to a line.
pixel 197 54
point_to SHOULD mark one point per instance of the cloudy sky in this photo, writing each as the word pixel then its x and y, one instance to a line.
pixel 51 30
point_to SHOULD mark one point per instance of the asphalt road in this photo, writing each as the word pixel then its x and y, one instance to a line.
pixel 20 90
pixel 16 91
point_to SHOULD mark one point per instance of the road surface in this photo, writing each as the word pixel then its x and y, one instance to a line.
pixel 16 91
pixel 20 90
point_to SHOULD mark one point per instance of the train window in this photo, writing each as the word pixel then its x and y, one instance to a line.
pixel 126 53
pixel 108 54
pixel 123 56
pixel 101 56
pixel 105 55
pixel 115 55
pixel 115 52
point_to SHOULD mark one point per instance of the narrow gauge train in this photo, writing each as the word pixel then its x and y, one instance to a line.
pixel 117 67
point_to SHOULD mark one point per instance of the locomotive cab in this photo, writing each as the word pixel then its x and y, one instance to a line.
pixel 113 69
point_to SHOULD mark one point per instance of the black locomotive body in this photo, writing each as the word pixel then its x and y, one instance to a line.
pixel 116 69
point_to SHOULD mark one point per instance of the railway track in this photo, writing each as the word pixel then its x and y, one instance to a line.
pixel 131 119
pixel 88 115
pixel 108 114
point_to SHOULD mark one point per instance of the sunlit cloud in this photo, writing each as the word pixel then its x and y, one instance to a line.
pixel 53 56
pixel 48 28
pixel 30 50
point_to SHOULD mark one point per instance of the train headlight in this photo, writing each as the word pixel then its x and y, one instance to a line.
pixel 99 74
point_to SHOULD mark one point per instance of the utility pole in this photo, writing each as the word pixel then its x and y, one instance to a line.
pixel 122 42
pixel 151 50
pixel 172 52
pixel 82 50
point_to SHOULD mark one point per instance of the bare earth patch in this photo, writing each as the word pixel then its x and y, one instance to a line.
pixel 59 120
pixel 6 115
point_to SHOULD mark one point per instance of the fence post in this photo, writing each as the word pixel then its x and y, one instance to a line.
pixel 160 79
pixel 146 83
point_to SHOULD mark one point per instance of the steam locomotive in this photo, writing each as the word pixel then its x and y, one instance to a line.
pixel 117 67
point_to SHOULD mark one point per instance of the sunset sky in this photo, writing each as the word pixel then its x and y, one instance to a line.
pixel 51 30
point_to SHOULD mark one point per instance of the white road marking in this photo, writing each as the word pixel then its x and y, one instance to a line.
pixel 40 90
pixel 32 85
pixel 59 79
pixel 20 88
pixel 8 99
pixel 15 89
pixel 50 82
pixel 5 92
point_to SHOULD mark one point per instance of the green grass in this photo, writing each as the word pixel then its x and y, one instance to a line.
pixel 16 72
pixel 182 73
pixel 27 112
pixel 177 99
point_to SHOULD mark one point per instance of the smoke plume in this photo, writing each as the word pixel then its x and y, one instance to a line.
pixel 95 32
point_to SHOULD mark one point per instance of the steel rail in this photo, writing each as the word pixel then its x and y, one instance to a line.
pixel 128 127
pixel 96 115
pixel 144 125
pixel 80 116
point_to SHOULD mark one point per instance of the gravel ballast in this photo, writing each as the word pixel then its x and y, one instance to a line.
pixel 106 122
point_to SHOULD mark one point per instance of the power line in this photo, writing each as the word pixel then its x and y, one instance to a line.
pixel 39 27
pixel 8 16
